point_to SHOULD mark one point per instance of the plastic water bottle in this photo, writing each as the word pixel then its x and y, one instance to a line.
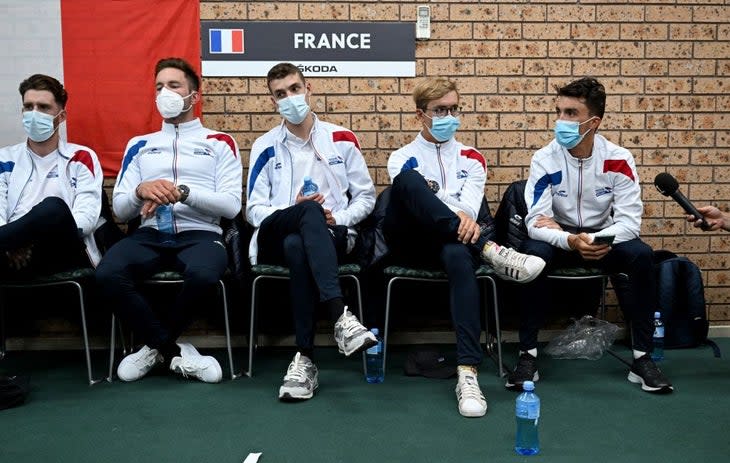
pixel 374 360
pixel 165 223
pixel 527 412
pixel 658 339
pixel 309 188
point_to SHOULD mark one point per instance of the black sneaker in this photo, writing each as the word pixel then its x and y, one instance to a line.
pixel 525 370
pixel 645 371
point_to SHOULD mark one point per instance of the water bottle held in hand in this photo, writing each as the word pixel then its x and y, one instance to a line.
pixel 165 223
pixel 309 188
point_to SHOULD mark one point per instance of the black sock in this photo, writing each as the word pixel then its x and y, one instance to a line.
pixel 335 307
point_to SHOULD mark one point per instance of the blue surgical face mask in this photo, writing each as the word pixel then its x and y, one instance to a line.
pixel 294 108
pixel 38 125
pixel 567 133
pixel 443 128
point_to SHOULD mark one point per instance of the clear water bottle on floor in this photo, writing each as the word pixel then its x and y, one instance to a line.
pixel 165 223
pixel 527 413
pixel 309 188
pixel 658 339
pixel 374 360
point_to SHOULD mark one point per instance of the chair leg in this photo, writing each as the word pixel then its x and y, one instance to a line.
pixel 92 381
pixel 112 346
pixel 234 375
pixel 498 333
pixel 387 317
pixel 251 342
pixel 2 325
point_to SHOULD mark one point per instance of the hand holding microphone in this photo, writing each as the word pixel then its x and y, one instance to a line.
pixel 668 186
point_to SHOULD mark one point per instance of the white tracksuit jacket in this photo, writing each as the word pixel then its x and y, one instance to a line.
pixel 271 178
pixel 80 178
pixel 584 193
pixel 186 154
pixel 460 171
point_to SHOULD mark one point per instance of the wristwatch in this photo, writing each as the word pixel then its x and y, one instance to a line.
pixel 184 192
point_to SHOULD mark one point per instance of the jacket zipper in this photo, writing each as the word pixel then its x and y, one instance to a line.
pixel 441 167
pixel 174 173
pixel 580 193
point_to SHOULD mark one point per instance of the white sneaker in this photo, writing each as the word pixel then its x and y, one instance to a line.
pixel 300 380
pixel 512 265
pixel 471 400
pixel 191 363
pixel 136 365
pixel 351 336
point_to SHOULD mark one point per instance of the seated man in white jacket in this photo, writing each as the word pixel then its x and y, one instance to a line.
pixel 50 191
pixel 311 233
pixel 438 188
pixel 180 181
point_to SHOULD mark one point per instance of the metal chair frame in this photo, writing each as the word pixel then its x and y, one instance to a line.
pixel 276 272
pixel 484 274
pixel 56 280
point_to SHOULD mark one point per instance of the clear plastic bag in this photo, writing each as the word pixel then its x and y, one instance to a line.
pixel 587 338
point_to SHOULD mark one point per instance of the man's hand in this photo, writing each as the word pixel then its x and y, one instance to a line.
pixel 318 197
pixel 329 217
pixel 468 231
pixel 543 221
pixel 582 244
pixel 20 258
pixel 160 191
pixel 713 216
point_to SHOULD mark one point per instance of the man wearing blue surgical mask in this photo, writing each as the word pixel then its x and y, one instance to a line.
pixel 309 230
pixel 582 194
pixel 432 220
pixel 50 190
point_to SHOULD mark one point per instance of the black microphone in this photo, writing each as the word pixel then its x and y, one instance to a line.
pixel 668 186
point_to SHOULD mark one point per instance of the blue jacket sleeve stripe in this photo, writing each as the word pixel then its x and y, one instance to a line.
pixel 131 153
pixel 411 163
pixel 545 181
pixel 261 161
pixel 6 166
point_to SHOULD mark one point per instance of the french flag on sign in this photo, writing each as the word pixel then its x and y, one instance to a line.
pixel 226 40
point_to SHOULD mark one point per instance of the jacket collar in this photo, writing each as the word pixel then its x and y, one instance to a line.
pixel 282 132
pixel 185 127
pixel 444 146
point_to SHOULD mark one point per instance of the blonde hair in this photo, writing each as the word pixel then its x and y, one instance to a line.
pixel 430 89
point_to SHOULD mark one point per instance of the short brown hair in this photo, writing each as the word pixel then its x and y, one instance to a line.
pixel 178 63
pixel 44 82
pixel 430 89
pixel 282 70
pixel 588 90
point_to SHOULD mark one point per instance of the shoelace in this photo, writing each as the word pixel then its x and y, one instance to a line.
pixel 350 325
pixel 469 389
pixel 296 371
pixel 515 260
pixel 525 367
pixel 148 359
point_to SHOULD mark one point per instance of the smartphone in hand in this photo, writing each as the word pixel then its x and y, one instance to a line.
pixel 604 239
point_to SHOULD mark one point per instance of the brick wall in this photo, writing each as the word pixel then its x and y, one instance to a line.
pixel 665 65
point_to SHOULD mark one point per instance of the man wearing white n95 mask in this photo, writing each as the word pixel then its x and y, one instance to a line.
pixel 50 190
pixel 310 234
pixel 194 175
pixel 582 190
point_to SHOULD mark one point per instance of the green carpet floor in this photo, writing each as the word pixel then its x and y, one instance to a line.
pixel 590 413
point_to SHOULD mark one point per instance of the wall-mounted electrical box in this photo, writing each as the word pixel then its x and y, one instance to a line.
pixel 423 22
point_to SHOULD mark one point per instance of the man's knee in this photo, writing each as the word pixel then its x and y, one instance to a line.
pixel 293 245
pixel 407 181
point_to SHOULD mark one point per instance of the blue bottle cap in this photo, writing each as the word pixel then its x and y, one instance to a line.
pixel 307 178
pixel 657 315
pixel 528 386
pixel 375 331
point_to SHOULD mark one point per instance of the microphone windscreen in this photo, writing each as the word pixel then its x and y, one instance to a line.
pixel 666 184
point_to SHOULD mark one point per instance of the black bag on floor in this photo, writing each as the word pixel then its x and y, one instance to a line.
pixel 681 301
pixel 13 390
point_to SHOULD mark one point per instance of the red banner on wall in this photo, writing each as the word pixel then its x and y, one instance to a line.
pixel 110 49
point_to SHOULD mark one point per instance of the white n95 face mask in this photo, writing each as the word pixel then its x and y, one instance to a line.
pixel 170 104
